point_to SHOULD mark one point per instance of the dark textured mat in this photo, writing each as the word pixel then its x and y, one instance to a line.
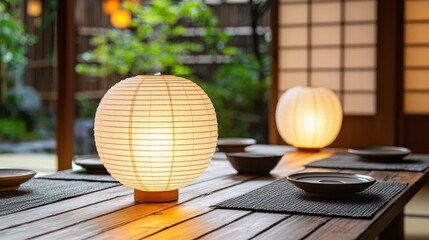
pixel 283 197
pixel 80 175
pixel 38 192
pixel 412 163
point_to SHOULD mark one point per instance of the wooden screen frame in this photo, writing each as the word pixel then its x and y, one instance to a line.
pixel 383 128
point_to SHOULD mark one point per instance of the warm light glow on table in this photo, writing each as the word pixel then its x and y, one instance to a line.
pixel 309 117
pixel 156 133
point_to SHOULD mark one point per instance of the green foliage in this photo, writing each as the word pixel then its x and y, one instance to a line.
pixel 13 47
pixel 13 44
pixel 239 97
pixel 86 107
pixel 13 129
pixel 238 90
pixel 149 45
pixel 13 38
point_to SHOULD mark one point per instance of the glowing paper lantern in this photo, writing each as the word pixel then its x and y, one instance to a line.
pixel 309 118
pixel 34 8
pixel 155 134
pixel 121 19
pixel 110 6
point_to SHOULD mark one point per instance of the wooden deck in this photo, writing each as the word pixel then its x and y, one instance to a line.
pixel 113 214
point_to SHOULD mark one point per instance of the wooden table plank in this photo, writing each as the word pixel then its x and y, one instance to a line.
pixel 79 202
pixel 57 208
pixel 339 228
pixel 112 213
pixel 295 227
pixel 57 222
pixel 162 220
pixel 195 227
pixel 68 212
pixel 247 227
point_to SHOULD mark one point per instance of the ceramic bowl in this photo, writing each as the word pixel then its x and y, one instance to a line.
pixel 387 153
pixel 253 163
pixel 91 163
pixel 331 184
pixel 11 179
pixel 229 145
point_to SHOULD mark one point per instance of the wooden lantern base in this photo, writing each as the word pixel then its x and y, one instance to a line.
pixel 300 149
pixel 156 197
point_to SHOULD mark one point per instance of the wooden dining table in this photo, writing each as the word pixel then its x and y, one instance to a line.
pixel 113 214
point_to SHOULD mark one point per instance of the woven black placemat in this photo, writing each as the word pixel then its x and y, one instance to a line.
pixel 80 175
pixel 412 163
pixel 38 192
pixel 283 197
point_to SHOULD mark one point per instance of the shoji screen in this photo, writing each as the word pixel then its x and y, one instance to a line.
pixel 330 43
pixel 416 69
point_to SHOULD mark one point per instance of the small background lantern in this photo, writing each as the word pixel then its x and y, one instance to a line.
pixel 120 18
pixel 155 134
pixel 34 8
pixel 110 6
pixel 309 118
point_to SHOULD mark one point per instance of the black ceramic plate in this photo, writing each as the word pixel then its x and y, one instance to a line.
pixel 253 163
pixel 11 179
pixel 91 163
pixel 381 152
pixel 331 184
pixel 234 144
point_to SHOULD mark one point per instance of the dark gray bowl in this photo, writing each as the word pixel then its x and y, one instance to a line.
pixel 91 163
pixel 385 153
pixel 253 163
pixel 331 184
pixel 231 145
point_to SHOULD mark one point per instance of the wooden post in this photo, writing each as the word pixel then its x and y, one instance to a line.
pixel 273 135
pixel 65 80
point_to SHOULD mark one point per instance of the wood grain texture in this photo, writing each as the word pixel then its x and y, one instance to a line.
pixel 112 213
pixel 295 227
pixel 164 220
pixel 65 105
pixel 246 227
pixel 206 223
pixel 57 208
pixel 339 228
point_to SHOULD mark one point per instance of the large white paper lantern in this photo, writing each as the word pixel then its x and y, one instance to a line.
pixel 155 134
pixel 309 118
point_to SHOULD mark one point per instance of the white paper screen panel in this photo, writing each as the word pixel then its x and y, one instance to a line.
pixel 326 12
pixel 417 33
pixel 293 14
pixel 329 80
pixel 417 79
pixel 361 11
pixel 359 57
pixel 330 44
pixel 293 37
pixel 293 59
pixel 360 34
pixel 416 10
pixel 416 54
pixel 359 104
pixel 325 35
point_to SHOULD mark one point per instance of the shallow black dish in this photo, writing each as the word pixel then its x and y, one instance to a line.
pixel 228 145
pixel 11 179
pixel 91 163
pixel 253 163
pixel 381 152
pixel 331 184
